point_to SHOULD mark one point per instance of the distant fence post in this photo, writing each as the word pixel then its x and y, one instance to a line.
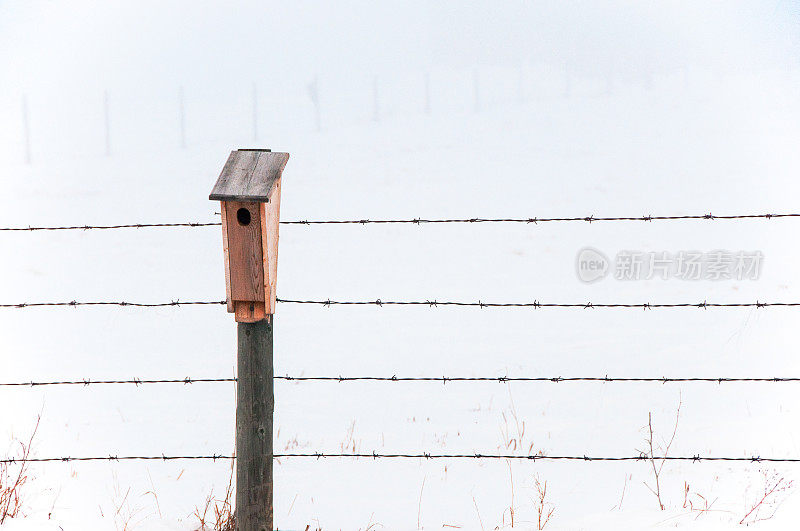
pixel 476 89
pixel 182 117
pixel 647 80
pixel 313 93
pixel 26 130
pixel 376 108
pixel 107 123
pixel 249 189
pixel 427 92
pixel 255 112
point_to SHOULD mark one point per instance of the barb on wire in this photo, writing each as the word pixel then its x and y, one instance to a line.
pixel 422 221
pixel 423 455
pixel 537 304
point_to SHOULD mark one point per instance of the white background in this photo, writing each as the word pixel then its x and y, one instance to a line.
pixel 582 108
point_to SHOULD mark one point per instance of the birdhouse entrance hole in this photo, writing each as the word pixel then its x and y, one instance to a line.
pixel 243 217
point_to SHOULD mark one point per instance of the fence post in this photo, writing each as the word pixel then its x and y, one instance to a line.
pixel 182 116
pixel 255 112
pixel 254 409
pixel 476 89
pixel 427 92
pixel 26 129
pixel 107 123
pixel 313 93
pixel 376 109
pixel 249 189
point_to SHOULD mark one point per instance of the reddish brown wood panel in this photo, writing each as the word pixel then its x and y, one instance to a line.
pixel 245 258
pixel 249 312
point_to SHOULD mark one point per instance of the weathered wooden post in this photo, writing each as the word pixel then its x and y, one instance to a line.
pixel 249 189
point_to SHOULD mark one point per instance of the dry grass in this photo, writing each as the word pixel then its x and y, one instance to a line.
pixel 480 520
pixel 513 437
pixel 511 506
pixel 658 464
pixel 221 517
pixel 544 508
pixel 349 443
pixel 769 498
pixel 696 502
pixel 622 496
pixel 11 483
pixel 419 506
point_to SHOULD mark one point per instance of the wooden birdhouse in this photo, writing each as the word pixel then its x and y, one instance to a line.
pixel 249 189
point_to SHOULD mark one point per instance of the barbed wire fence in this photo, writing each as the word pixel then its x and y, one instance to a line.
pixel 421 221
pixel 431 303
pixel 85 382
pixel 423 455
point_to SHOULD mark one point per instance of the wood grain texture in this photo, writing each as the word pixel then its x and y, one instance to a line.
pixel 249 175
pixel 249 311
pixel 272 214
pixel 238 168
pixel 224 216
pixel 255 404
pixel 269 307
pixel 245 257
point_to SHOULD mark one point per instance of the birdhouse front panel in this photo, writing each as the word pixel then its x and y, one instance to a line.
pixel 245 254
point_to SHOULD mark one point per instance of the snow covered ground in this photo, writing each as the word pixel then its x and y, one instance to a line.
pixel 685 142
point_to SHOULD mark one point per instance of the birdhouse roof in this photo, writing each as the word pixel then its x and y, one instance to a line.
pixel 249 175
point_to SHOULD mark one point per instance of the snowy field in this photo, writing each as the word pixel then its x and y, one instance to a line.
pixel 538 139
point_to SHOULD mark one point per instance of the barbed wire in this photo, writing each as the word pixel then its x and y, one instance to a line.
pixel 535 220
pixel 640 457
pixel 68 459
pixel 424 455
pixel 443 379
pixel 536 304
pixel 105 227
pixel 135 381
pixel 505 379
pixel 421 221
pixel 110 303
pixel 430 303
